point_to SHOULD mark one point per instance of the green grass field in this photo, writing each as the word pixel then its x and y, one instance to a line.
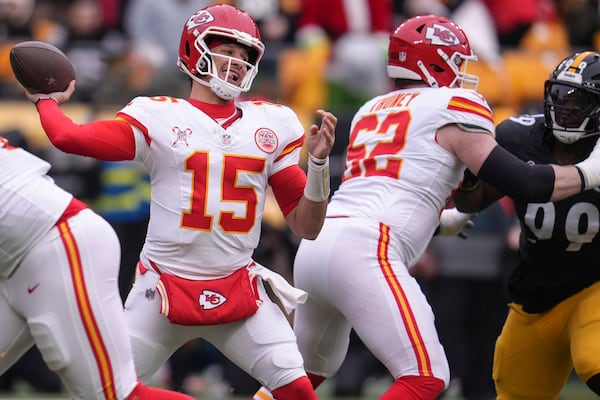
pixel 574 390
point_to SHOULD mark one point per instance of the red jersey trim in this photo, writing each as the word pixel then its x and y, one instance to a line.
pixel 465 105
pixel 73 208
pixel 290 148
pixel 129 119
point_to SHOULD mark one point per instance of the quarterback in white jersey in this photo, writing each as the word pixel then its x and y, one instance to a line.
pixel 223 186
pixel 57 290
pixel 407 153
pixel 210 160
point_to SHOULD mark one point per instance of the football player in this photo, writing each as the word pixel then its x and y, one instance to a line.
pixel 406 155
pixel 211 159
pixel 554 320
pixel 59 263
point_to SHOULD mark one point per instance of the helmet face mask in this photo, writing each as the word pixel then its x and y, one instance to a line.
pixel 572 98
pixel 221 24
pixel 431 49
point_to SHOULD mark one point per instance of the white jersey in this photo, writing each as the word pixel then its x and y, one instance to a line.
pixel 209 183
pixel 396 173
pixel 30 204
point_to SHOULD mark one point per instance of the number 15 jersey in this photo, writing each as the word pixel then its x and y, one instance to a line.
pixel 209 182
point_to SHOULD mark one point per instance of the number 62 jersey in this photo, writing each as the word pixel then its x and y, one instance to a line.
pixel 395 170
pixel 208 182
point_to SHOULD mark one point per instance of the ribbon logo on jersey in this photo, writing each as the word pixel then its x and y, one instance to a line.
pixel 181 135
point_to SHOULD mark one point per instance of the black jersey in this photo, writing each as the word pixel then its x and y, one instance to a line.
pixel 559 247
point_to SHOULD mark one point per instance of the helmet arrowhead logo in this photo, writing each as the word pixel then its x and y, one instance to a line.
pixel 199 18
pixel 441 36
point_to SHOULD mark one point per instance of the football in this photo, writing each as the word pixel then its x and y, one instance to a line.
pixel 41 67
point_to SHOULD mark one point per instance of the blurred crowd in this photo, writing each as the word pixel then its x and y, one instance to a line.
pixel 316 55
pixel 319 54
pixel 123 48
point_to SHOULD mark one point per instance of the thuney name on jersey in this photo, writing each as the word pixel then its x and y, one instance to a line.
pixel 397 100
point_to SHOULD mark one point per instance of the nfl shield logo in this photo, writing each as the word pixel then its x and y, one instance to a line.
pixel 150 293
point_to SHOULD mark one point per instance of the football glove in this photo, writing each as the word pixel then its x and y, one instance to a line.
pixel 453 223
pixel 589 169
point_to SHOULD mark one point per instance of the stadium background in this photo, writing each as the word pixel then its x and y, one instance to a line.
pixel 110 72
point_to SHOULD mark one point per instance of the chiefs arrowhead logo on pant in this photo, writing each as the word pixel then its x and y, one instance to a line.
pixel 209 299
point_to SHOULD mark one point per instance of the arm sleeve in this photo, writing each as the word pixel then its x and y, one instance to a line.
pixel 517 179
pixel 288 187
pixel 108 140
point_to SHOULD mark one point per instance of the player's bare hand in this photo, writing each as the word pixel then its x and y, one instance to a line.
pixel 320 139
pixel 60 97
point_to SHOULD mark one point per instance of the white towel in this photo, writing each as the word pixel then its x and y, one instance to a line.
pixel 288 295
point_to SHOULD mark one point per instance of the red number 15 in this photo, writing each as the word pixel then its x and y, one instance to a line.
pixel 231 191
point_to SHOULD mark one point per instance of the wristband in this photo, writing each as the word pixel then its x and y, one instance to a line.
pixel 317 179
pixel 44 98
pixel 317 161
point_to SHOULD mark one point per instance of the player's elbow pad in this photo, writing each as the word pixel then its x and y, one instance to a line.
pixel 516 178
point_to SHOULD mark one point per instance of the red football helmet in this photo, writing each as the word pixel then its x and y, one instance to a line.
pixel 432 49
pixel 218 24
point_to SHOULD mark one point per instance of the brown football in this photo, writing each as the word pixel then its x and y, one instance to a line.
pixel 41 67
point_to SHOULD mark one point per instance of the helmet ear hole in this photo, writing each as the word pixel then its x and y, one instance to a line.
pixel 188 51
pixel 202 65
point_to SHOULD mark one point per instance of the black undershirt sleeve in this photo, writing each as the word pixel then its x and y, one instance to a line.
pixel 517 179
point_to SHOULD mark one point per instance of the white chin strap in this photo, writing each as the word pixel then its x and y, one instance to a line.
pixel 218 87
pixel 223 90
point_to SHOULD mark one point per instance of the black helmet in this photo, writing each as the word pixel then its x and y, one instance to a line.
pixel 572 97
